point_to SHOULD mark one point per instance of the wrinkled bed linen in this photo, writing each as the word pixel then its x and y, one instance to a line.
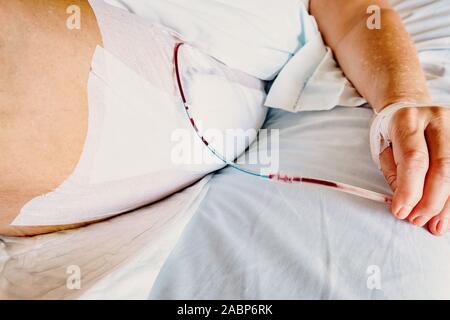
pixel 118 258
pixel 258 239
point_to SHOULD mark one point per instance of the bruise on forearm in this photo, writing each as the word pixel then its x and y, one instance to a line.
pixel 381 63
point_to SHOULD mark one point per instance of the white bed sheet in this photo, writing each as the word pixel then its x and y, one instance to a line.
pixel 259 239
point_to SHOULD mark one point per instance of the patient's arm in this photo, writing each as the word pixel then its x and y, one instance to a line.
pixel 384 67
pixel 382 64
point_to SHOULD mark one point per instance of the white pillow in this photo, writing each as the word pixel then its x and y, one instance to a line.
pixel 254 36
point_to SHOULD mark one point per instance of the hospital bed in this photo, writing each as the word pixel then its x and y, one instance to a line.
pixel 236 236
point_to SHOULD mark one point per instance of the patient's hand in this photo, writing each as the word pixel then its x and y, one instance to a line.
pixel 417 167
pixel 383 65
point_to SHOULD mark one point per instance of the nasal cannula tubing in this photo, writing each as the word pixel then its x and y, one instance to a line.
pixel 367 194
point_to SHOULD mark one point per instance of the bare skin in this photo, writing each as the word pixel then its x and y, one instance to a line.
pixel 44 68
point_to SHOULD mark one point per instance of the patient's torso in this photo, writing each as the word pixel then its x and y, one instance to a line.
pixel 93 128
pixel 44 68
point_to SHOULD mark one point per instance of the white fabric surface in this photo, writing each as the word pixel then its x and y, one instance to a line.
pixel 117 259
pixel 254 36
pixel 312 80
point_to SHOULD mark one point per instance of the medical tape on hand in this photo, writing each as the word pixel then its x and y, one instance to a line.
pixel 379 130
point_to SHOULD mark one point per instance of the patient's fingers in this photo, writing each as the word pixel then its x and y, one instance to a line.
pixel 389 167
pixel 437 183
pixel 411 156
pixel 440 224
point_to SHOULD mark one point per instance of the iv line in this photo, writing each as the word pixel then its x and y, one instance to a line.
pixel 367 194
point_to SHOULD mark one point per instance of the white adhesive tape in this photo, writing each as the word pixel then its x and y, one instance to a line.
pixel 379 130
